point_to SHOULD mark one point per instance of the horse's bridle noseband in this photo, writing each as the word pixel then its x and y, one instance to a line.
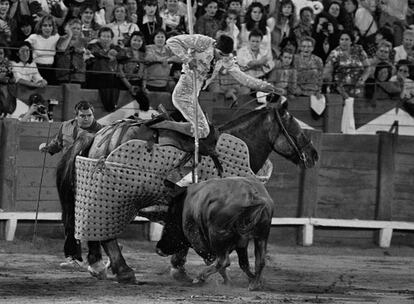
pixel 299 150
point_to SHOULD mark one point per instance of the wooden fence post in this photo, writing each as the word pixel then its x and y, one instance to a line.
pixel 308 185
pixel 385 178
pixel 333 113
pixel 71 96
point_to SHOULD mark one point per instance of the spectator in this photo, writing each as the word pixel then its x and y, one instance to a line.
pixel 24 28
pixel 121 26
pixel 335 10
pixel 90 28
pixel 158 58
pixel 289 43
pixel 309 69
pixel 151 21
pixel 325 33
pixel 132 68
pixel 5 32
pixel 283 76
pixel 44 43
pixel 7 100
pixel 347 67
pixel 255 18
pixel 383 54
pixel 6 74
pixel 253 60
pixel 402 78
pixel 70 61
pixel 56 8
pixel 393 14
pixel 75 7
pixel 173 22
pixel 405 51
pixel 209 23
pixel 25 71
pixel 349 8
pixel 365 22
pixel 379 86
pixel 132 7
pixel 285 23
pixel 304 27
pixel 236 5
pixel 69 131
pixel 229 27
pixel 102 68
pixel 37 110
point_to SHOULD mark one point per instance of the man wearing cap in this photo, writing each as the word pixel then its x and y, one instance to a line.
pixel 201 54
pixel 84 121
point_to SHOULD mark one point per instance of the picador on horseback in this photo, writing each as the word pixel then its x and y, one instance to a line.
pixel 206 58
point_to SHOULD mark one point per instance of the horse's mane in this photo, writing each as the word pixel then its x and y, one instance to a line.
pixel 243 120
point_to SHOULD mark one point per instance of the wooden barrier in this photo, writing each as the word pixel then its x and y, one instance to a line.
pixel 386 228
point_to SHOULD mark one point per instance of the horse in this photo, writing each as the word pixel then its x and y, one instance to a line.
pixel 264 130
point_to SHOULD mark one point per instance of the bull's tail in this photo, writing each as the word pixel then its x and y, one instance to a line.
pixel 254 217
pixel 65 174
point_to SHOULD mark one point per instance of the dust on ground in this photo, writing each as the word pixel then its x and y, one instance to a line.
pixel 293 274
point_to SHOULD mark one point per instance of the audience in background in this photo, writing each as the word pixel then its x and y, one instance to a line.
pixel 62 41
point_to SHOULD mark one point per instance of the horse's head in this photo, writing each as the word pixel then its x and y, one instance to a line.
pixel 288 138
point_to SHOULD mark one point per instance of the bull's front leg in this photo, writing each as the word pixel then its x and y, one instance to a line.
pixel 123 272
pixel 178 271
pixel 220 265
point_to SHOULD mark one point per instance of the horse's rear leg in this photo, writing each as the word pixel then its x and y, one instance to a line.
pixel 96 267
pixel 260 257
pixel 124 273
pixel 178 271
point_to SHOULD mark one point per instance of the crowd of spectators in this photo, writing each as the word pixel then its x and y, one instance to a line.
pixel 352 47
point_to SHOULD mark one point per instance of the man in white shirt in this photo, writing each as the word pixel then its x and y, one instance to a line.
pixel 253 60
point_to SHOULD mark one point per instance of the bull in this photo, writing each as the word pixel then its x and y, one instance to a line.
pixel 218 216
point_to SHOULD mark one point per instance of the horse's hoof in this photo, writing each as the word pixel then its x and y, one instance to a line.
pixel 127 277
pixel 179 274
pixel 98 270
pixel 255 286
pixel 198 281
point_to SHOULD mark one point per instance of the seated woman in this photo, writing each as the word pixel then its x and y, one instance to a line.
pixel 159 59
pixel 403 80
pixel 380 86
pixel 347 67
pixel 121 26
pixel 25 71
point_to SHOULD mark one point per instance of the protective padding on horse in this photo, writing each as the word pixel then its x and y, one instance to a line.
pixel 109 192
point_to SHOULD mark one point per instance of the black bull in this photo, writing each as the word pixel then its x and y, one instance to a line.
pixel 216 217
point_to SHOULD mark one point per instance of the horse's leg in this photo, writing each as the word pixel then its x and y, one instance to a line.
pixel 123 272
pixel 96 267
pixel 177 266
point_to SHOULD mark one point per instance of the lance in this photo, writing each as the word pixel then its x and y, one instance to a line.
pixel 195 97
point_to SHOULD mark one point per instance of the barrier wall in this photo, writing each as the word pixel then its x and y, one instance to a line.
pixel 358 176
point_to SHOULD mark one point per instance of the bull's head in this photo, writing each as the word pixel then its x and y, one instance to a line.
pixel 173 239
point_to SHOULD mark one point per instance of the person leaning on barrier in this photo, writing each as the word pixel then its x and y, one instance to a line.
pixel 69 130
pixel 84 121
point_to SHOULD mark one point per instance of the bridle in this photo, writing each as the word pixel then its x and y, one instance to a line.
pixel 299 150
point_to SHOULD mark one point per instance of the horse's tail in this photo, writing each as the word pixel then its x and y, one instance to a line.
pixel 66 175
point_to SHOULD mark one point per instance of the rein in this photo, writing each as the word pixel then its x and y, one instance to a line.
pixel 298 150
